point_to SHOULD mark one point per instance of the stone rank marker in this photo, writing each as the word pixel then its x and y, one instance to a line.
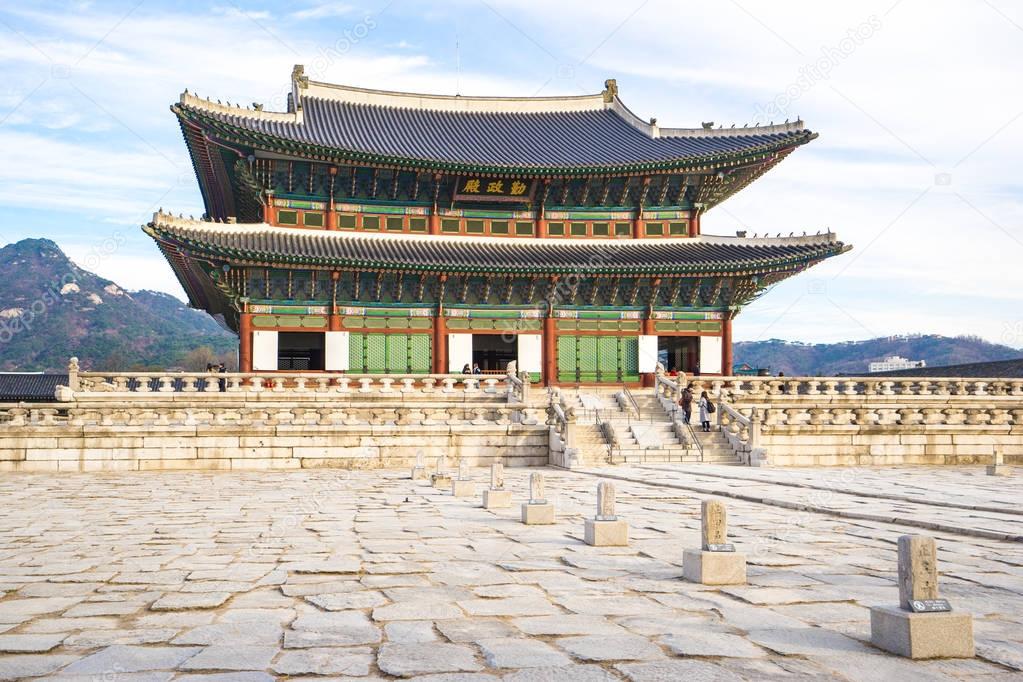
pixel 463 485
pixel 496 497
pixel 419 470
pixel 538 511
pixel 997 466
pixel 716 562
pixel 606 529
pixel 922 626
pixel 440 478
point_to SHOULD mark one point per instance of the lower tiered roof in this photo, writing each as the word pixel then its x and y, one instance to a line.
pixel 262 244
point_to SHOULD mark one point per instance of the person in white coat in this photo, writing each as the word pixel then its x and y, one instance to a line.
pixel 705 409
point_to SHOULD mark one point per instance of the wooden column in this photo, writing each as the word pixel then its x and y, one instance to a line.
pixel 647 378
pixel 268 211
pixel 440 332
pixel 550 349
pixel 331 217
pixel 541 212
pixel 694 223
pixel 245 342
pixel 434 225
pixel 726 346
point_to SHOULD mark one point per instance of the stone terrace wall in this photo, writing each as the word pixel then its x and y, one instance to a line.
pixel 143 422
pixel 105 438
pixel 867 421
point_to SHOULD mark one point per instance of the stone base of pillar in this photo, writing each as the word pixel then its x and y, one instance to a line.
pixel 922 635
pixel 714 568
pixel 998 470
pixel 496 499
pixel 606 533
pixel 419 474
pixel 463 488
pixel 538 514
pixel 440 481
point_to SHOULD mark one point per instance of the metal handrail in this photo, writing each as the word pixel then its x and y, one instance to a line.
pixel 608 441
pixel 693 438
pixel 632 401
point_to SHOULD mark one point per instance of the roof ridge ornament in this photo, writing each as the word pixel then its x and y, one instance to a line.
pixel 610 90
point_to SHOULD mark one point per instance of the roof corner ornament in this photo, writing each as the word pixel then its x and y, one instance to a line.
pixel 257 106
pixel 707 125
pixel 610 90
pixel 298 76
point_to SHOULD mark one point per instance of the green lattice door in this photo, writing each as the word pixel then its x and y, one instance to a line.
pixel 389 353
pixel 598 359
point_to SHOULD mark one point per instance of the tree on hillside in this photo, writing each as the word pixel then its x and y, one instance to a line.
pixel 197 359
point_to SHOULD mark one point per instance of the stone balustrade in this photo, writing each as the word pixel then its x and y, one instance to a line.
pixel 83 413
pixel 860 421
pixel 562 423
pixel 818 389
pixel 296 386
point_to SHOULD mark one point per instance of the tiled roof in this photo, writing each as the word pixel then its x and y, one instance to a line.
pixel 525 133
pixel 30 387
pixel 705 254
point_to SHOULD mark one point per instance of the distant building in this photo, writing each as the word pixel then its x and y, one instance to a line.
pixel 894 363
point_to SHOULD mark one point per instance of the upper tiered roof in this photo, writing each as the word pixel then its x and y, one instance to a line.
pixel 537 135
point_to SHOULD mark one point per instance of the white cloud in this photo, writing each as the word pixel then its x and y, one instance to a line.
pixel 928 93
pixel 322 10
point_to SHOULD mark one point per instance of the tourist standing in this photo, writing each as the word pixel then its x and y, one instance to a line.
pixel 476 368
pixel 467 369
pixel 687 403
pixel 705 409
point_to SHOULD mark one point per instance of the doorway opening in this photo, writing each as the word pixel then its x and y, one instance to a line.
pixel 300 351
pixel 493 352
pixel 679 353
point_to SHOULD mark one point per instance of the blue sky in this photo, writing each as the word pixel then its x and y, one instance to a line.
pixel 917 104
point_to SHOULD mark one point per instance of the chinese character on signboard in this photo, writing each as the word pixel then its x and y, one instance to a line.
pixel 493 189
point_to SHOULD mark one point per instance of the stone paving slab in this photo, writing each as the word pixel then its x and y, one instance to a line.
pixel 238 577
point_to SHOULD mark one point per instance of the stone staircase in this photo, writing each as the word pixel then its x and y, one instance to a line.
pixel 651 438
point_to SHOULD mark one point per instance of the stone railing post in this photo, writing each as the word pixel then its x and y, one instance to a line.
pixel 72 374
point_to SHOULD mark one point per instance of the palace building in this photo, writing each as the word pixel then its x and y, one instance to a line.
pixel 380 232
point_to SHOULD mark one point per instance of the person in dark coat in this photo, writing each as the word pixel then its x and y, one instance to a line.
pixel 687 403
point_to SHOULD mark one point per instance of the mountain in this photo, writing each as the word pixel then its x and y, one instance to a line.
pixel 852 357
pixel 50 310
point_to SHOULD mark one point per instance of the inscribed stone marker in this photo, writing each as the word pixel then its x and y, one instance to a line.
pixel 497 476
pixel 537 492
pixel 714 523
pixel 606 501
pixel 918 569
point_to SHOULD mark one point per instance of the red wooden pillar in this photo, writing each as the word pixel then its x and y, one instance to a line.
pixel 550 349
pixel 726 347
pixel 694 223
pixel 647 378
pixel 440 332
pixel 434 223
pixel 440 343
pixel 245 342
pixel 541 213
pixel 331 217
pixel 268 210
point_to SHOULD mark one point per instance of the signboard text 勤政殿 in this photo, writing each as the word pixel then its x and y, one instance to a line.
pixel 482 188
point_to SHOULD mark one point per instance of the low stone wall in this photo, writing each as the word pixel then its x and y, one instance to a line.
pixel 867 422
pixel 100 436
pixel 854 446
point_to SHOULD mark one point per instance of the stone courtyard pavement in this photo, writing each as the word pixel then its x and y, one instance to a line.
pixel 365 575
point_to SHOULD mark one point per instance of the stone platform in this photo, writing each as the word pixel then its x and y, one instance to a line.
pixel 367 575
